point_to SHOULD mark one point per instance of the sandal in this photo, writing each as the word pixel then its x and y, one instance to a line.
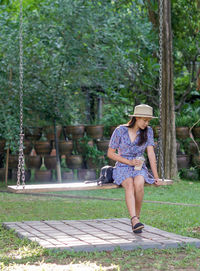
pixel 137 228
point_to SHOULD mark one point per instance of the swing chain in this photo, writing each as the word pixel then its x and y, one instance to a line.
pixel 21 170
pixel 160 143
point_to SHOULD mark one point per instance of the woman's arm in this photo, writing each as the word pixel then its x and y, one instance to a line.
pixel 152 160
pixel 116 157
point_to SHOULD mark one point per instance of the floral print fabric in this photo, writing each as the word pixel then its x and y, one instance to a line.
pixel 120 140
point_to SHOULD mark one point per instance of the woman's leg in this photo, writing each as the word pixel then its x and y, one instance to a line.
pixel 130 198
pixel 138 193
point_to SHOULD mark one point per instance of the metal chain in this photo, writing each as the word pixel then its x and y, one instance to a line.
pixel 160 143
pixel 21 170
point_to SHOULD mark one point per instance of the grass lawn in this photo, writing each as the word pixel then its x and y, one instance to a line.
pixel 23 255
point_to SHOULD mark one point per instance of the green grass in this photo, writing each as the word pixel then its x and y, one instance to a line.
pixel 180 192
pixel 182 220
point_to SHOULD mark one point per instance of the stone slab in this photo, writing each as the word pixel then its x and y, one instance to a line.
pixel 96 235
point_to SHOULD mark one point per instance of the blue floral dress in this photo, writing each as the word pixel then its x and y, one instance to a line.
pixel 120 140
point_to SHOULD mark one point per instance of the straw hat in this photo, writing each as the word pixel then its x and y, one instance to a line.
pixel 143 110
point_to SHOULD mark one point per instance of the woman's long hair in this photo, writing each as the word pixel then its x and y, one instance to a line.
pixel 143 133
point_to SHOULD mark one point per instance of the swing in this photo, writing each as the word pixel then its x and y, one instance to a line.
pixel 22 188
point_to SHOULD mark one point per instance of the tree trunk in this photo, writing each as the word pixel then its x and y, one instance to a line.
pixel 58 169
pixel 168 113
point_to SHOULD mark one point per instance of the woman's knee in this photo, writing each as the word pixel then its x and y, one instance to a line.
pixel 128 184
pixel 139 183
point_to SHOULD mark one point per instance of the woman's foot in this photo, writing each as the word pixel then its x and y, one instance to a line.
pixel 137 226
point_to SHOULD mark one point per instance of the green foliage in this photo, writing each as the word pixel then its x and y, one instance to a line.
pixel 185 23
pixel 183 121
pixel 92 151
pixel 116 114
pixel 108 47
pixel 9 126
pixel 189 116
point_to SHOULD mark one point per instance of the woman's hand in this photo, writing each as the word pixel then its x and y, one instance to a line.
pixel 158 182
pixel 135 162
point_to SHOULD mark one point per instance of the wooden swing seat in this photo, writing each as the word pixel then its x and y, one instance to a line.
pixel 31 188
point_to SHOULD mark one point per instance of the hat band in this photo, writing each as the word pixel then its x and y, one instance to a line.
pixel 142 114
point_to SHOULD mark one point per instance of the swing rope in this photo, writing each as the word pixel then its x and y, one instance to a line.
pixel 21 170
pixel 160 143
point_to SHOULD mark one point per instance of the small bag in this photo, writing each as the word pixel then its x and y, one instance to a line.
pixel 105 175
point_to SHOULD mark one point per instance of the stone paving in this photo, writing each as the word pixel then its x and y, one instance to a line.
pixel 96 235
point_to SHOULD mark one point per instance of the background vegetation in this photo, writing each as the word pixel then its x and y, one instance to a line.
pixel 79 49
pixel 78 52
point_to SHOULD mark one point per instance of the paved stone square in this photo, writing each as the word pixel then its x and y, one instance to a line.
pixel 96 235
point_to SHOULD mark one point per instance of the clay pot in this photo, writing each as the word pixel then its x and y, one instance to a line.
pixel 27 147
pixel 33 162
pixel 74 161
pixel 65 147
pixel 182 132
pixel 43 175
pixel 42 147
pixel 2 145
pixel 95 131
pixel 93 163
pixel 193 148
pixel 49 132
pixel 13 161
pixel 183 161
pixel 75 131
pixel 102 145
pixel 196 132
pixel 68 175
pixel 50 161
pixel 86 174
pixel 33 133
pixel 196 160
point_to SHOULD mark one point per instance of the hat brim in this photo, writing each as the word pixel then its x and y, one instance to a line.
pixel 143 116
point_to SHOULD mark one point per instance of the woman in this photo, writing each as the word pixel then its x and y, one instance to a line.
pixel 130 141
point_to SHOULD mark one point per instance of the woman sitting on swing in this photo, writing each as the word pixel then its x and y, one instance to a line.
pixel 130 141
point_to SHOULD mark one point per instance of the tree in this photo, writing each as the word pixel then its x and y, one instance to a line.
pixel 167 98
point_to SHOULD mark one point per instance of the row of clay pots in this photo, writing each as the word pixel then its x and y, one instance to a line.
pixel 95 132
pixel 72 161
pixel 39 175
pixel 35 133
pixel 12 174
pixel 65 147
pixel 181 132
pixel 184 160
pixel 192 148
pixel 46 175
pixel 77 161
pixel 33 162
pixel 82 174
pixel 73 131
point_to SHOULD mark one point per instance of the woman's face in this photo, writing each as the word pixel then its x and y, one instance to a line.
pixel 142 123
